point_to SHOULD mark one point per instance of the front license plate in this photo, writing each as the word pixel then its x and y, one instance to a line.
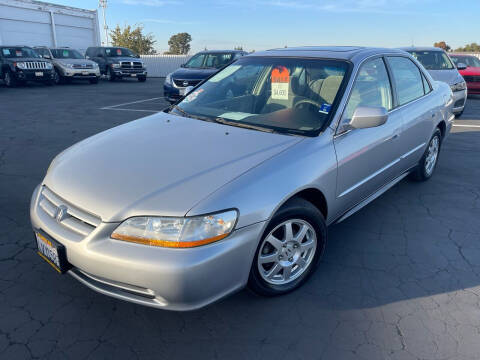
pixel 84 72
pixel 39 73
pixel 52 252
pixel 133 75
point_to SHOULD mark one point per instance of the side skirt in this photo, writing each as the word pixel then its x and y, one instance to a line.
pixel 372 197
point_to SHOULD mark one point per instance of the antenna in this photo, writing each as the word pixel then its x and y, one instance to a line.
pixel 103 5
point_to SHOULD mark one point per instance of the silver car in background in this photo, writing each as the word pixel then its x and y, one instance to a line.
pixel 236 184
pixel 70 64
pixel 441 68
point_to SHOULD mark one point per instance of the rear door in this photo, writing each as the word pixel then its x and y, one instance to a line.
pixel 367 158
pixel 417 106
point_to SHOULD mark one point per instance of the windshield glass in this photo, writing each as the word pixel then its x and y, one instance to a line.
pixel 210 60
pixel 433 60
pixel 471 61
pixel 288 95
pixel 19 52
pixel 119 52
pixel 66 54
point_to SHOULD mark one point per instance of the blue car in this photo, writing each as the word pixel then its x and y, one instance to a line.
pixel 199 67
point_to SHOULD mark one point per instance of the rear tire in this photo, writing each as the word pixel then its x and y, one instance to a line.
pixel 427 164
pixel 285 259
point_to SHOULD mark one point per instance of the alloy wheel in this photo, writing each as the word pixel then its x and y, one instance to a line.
pixel 287 251
pixel 432 155
pixel 8 79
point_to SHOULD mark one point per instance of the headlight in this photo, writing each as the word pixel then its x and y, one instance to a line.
pixel 115 66
pixel 21 65
pixel 95 65
pixel 168 79
pixel 177 232
pixel 459 86
pixel 70 66
pixel 49 66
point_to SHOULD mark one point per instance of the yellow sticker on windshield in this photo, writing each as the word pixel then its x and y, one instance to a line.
pixel 280 83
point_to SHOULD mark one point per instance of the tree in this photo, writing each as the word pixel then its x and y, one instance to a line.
pixel 179 44
pixel 443 45
pixel 133 39
pixel 473 47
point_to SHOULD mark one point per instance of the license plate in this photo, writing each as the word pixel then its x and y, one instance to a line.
pixel 133 75
pixel 39 73
pixel 52 252
pixel 84 72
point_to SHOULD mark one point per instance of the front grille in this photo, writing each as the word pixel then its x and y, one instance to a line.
pixel 73 219
pixel 83 66
pixel 131 65
pixel 35 65
pixel 472 78
pixel 185 83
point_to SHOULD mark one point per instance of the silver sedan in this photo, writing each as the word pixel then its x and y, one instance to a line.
pixel 236 184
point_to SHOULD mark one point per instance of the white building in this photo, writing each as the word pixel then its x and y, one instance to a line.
pixel 37 23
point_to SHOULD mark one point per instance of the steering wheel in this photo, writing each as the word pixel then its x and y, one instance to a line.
pixel 303 102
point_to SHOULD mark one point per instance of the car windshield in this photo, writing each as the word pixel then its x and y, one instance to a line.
pixel 119 52
pixel 288 95
pixel 66 54
pixel 19 52
pixel 433 60
pixel 471 61
pixel 209 60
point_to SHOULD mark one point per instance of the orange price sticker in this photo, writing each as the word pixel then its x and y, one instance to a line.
pixel 280 83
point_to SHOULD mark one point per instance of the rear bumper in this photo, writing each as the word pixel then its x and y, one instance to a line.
pixel 174 279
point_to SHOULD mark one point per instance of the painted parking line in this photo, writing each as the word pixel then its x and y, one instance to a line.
pixel 111 107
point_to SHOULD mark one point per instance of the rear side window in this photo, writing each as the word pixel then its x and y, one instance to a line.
pixel 407 79
pixel 371 88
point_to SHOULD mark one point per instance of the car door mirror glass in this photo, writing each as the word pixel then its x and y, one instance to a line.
pixel 368 117
pixel 461 66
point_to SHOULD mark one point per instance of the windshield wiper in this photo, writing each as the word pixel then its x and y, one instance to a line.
pixel 243 125
pixel 181 111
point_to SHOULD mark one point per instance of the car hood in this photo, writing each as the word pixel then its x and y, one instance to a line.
pixel 75 61
pixel 448 76
pixel 470 71
pixel 159 165
pixel 193 74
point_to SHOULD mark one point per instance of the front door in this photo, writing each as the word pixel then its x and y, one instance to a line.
pixel 368 158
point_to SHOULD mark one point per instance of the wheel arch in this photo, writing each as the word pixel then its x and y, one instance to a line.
pixel 312 195
pixel 443 128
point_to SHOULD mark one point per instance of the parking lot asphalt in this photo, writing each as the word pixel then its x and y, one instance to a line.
pixel 400 279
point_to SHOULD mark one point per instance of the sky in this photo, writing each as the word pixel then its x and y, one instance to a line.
pixel 259 25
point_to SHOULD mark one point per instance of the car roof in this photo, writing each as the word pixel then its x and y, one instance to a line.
pixel 421 48
pixel 330 52
pixel 457 54
pixel 220 51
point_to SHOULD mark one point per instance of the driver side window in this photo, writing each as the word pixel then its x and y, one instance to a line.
pixel 371 88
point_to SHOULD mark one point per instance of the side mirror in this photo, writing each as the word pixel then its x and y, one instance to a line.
pixel 182 65
pixel 461 66
pixel 368 117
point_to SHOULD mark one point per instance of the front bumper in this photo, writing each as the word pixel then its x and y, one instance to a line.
pixel 34 75
pixel 80 73
pixel 119 72
pixel 459 99
pixel 174 279
pixel 171 93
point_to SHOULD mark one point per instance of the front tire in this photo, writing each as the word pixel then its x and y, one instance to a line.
pixel 110 75
pixel 57 78
pixel 9 79
pixel 427 164
pixel 290 249
pixel 94 81
pixel 142 78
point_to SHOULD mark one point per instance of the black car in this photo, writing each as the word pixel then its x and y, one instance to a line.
pixel 20 64
pixel 200 66
pixel 117 62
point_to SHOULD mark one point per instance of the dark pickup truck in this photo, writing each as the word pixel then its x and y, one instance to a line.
pixel 117 62
pixel 20 64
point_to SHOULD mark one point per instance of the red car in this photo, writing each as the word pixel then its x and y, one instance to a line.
pixel 471 73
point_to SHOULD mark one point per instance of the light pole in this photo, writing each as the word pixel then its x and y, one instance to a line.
pixel 103 5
